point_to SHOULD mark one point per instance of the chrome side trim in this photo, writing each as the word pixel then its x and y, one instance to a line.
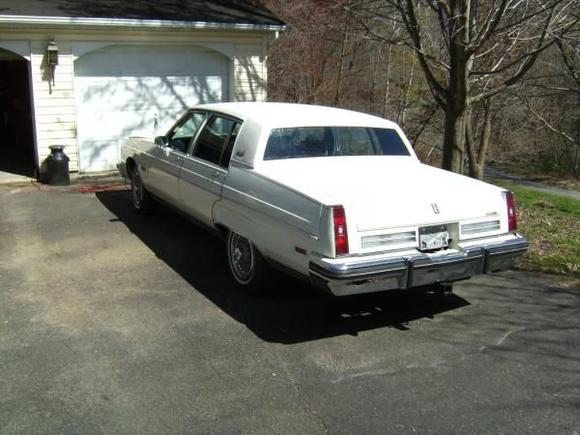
pixel 267 204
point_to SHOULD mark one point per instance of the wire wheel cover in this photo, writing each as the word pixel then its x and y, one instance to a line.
pixel 241 253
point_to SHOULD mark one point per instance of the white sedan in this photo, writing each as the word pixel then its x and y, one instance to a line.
pixel 335 197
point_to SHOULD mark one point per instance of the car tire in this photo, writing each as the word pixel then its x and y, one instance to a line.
pixel 140 197
pixel 245 263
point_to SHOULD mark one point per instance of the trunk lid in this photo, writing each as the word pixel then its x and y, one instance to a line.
pixel 380 192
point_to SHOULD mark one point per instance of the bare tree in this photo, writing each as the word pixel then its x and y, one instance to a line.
pixel 302 60
pixel 470 51
pixel 552 96
pixel 327 57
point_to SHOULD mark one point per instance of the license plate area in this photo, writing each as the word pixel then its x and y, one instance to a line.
pixel 433 237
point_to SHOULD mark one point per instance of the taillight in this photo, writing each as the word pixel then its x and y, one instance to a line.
pixel 511 211
pixel 340 233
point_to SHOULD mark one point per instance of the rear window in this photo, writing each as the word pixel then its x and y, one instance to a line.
pixel 298 142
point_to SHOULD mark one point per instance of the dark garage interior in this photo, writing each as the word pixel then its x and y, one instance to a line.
pixel 16 120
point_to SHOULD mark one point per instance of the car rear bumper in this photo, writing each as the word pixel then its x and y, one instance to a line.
pixel 365 274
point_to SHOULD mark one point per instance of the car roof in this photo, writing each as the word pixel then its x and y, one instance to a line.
pixel 296 115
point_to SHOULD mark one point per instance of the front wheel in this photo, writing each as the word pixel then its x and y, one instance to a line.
pixel 140 197
pixel 246 264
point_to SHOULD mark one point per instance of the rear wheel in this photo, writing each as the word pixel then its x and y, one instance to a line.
pixel 246 264
pixel 140 197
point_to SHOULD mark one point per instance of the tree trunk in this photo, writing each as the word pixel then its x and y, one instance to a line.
pixel 388 83
pixel 576 163
pixel 470 144
pixel 484 141
pixel 477 157
pixel 408 93
pixel 340 73
pixel 454 136
pixel 457 96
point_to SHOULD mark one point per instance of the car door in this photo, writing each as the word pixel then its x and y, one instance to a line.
pixel 204 171
pixel 169 154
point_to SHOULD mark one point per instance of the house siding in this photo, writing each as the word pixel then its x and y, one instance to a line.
pixel 54 105
pixel 54 111
pixel 250 75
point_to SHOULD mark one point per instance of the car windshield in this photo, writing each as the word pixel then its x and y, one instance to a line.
pixel 299 142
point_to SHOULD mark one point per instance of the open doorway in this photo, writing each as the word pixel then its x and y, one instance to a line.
pixel 17 154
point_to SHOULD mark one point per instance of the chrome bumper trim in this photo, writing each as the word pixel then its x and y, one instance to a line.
pixel 355 275
pixel 502 256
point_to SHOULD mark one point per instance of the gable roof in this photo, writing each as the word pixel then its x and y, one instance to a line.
pixel 220 12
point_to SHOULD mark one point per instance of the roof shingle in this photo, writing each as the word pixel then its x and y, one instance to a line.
pixel 209 11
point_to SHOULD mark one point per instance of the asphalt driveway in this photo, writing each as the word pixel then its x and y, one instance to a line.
pixel 111 322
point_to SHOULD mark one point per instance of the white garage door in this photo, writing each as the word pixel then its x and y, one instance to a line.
pixel 123 91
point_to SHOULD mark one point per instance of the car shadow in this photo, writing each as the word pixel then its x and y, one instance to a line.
pixel 293 311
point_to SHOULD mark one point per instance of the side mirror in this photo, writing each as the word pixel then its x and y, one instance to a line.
pixel 161 141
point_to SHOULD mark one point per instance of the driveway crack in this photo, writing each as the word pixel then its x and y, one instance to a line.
pixel 307 404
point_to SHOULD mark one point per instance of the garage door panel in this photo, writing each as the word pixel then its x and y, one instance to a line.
pixel 99 155
pixel 119 125
pixel 98 126
pixel 135 61
pixel 134 93
pixel 111 107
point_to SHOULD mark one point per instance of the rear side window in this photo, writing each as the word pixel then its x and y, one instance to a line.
pixel 297 142
pixel 227 154
pixel 214 140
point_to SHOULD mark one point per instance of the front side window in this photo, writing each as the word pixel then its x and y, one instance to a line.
pixel 182 135
pixel 297 142
pixel 213 139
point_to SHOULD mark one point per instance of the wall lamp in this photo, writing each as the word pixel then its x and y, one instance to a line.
pixel 51 59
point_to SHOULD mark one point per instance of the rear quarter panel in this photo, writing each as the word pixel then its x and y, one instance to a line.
pixel 282 223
